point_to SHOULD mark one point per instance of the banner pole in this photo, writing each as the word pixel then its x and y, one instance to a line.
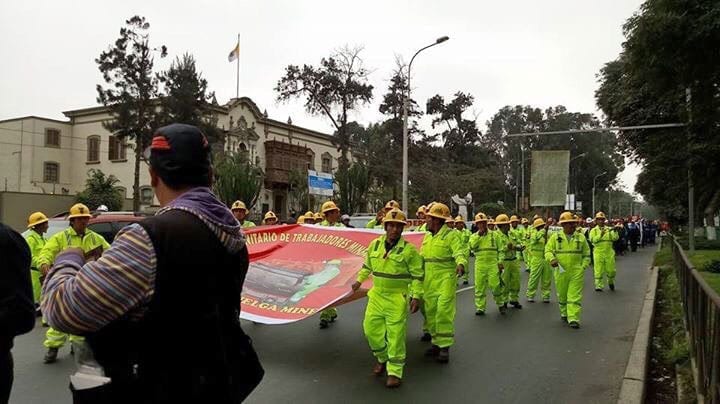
pixel 237 78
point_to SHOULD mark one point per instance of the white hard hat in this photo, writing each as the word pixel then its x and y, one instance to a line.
pixel 102 208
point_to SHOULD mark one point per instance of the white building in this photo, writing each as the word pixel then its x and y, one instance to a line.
pixel 41 155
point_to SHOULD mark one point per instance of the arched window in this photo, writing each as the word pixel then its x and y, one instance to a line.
pixel 243 148
pixel 116 149
pixel 326 163
pixel 93 149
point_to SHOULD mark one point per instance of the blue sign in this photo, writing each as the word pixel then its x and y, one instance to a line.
pixel 320 183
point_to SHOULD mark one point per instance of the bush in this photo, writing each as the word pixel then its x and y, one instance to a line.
pixel 712 266
pixel 101 190
pixel 490 209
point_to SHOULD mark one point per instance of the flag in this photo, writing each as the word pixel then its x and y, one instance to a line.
pixel 235 53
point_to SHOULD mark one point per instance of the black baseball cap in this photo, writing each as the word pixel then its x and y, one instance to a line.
pixel 180 154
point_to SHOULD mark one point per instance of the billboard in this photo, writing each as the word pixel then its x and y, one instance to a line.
pixel 549 177
pixel 320 183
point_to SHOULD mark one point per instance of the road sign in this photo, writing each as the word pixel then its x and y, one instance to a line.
pixel 320 183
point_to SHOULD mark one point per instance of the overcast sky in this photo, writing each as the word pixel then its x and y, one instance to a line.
pixel 542 53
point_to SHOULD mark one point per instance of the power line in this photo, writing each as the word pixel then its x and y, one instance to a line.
pixel 619 128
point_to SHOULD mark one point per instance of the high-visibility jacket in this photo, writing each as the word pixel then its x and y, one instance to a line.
pixel 485 248
pixel 398 270
pixel 69 238
pixel 371 224
pixel 536 242
pixel 603 242
pixel 36 242
pixel 327 224
pixel 444 250
pixel 465 235
pixel 504 253
pixel 572 252
pixel 423 227
pixel 247 224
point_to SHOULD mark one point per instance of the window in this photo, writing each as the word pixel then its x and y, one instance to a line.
pixel 146 195
pixel 122 191
pixel 93 149
pixel 116 149
pixel 326 163
pixel 52 137
pixel 51 172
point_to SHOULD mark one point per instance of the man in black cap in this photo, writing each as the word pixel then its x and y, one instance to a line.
pixel 161 307
pixel 17 309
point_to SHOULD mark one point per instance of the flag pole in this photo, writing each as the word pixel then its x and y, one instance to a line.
pixel 237 79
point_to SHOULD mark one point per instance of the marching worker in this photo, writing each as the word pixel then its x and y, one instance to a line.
pixel 397 270
pixel 240 212
pixel 484 245
pixel 526 230
pixel 38 225
pixel 465 237
pixel 420 214
pixel 569 254
pixel 309 217
pixel 423 227
pixel 602 238
pixel 377 221
pixel 270 218
pixel 79 236
pixel 332 217
pixel 445 258
pixel 491 225
pixel 540 271
pixel 318 218
pixel 508 250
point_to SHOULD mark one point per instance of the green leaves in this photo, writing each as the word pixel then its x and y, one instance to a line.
pixel 236 178
pixel 101 190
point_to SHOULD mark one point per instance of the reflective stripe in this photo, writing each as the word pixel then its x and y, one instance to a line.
pixel 444 335
pixel 380 350
pixel 448 259
pixel 392 276
pixel 486 249
pixel 418 278
pixel 367 267
pixel 397 361
pixel 568 252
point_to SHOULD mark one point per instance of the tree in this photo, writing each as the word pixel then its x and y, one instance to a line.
pixel 101 190
pixel 236 178
pixel 353 184
pixel 187 99
pixel 334 88
pixel 670 51
pixel 131 89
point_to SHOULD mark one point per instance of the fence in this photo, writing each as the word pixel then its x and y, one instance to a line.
pixel 701 306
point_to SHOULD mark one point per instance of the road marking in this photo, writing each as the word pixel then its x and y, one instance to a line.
pixel 464 289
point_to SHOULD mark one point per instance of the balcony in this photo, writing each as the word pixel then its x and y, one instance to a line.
pixel 282 158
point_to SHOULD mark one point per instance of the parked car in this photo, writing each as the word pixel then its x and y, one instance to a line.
pixel 106 224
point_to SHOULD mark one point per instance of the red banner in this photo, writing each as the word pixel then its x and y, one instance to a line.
pixel 298 270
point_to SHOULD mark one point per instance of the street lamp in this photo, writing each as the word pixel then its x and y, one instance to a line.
pixel 593 193
pixel 405 125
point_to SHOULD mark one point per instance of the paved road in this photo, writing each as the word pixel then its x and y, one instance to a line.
pixel 526 356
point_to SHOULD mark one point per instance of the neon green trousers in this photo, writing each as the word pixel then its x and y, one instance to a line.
pixel 511 279
pixel 604 266
pixel 487 276
pixel 385 327
pixel 36 285
pixel 440 287
pixel 540 273
pixel 56 339
pixel 569 287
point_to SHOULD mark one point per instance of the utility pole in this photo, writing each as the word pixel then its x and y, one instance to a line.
pixel 691 186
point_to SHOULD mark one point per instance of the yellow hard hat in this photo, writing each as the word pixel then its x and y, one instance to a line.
pixel 491 221
pixel 538 222
pixel 429 206
pixel 421 209
pixel 600 215
pixel 502 219
pixel 238 205
pixel 301 219
pixel 36 219
pixel 79 210
pixel 514 218
pixel 395 215
pixel 270 215
pixel 524 221
pixel 309 214
pixel 319 216
pixel 328 207
pixel 535 217
pixel 567 217
pixel 481 217
pixel 440 211
pixel 392 204
pixel 578 218
pixel 459 218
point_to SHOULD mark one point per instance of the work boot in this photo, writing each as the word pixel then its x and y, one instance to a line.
pixel 546 300
pixel 433 351
pixel 612 286
pixel 51 355
pixel 426 337
pixel 480 312
pixel 379 369
pixel 574 324
pixel 598 289
pixel 516 305
pixel 531 300
pixel 466 283
pixel 503 309
pixel 324 324
pixel 563 319
pixel 392 382
pixel 333 317
pixel 444 355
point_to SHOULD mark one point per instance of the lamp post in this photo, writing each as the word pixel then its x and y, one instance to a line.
pixel 593 192
pixel 405 125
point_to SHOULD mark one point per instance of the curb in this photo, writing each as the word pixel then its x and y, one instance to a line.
pixel 632 390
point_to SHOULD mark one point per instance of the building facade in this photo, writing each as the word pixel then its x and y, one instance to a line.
pixel 42 155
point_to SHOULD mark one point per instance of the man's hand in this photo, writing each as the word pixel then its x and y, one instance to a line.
pixel 554 263
pixel 460 270
pixel 414 305
pixel 501 267
pixel 44 268
pixel 355 286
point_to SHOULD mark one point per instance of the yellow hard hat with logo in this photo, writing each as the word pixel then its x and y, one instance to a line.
pixel 502 219
pixel 514 218
pixel 459 218
pixel 421 209
pixel 319 216
pixel 481 217
pixel 567 217
pixel 524 221
pixel 440 211
pixel 309 215
pixel 395 216
pixel 36 219
pixel 79 210
pixel 538 222
pixel 270 215
pixel 329 206
pixel 392 204
pixel 238 205
pixel 600 215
